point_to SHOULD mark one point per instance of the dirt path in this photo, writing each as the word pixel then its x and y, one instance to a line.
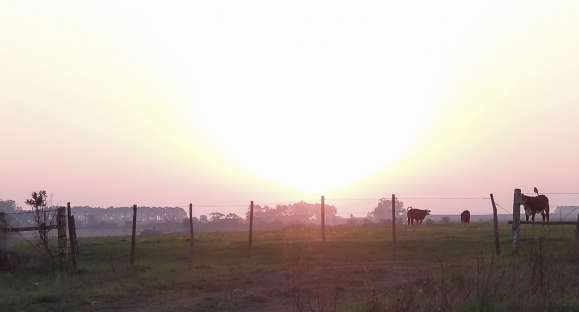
pixel 292 289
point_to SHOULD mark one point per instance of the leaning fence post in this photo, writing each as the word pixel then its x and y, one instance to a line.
pixel 250 228
pixel 61 227
pixel 517 199
pixel 72 240
pixel 496 226
pixel 132 259
pixel 191 227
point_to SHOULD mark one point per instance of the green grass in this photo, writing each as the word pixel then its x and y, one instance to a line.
pixel 164 265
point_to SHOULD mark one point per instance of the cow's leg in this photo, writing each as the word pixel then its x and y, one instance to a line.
pixel 526 217
pixel 533 217
pixel 545 216
pixel 408 220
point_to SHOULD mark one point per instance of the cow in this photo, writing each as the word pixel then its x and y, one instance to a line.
pixel 417 215
pixel 465 217
pixel 534 205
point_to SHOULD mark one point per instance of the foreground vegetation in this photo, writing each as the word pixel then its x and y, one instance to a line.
pixel 435 268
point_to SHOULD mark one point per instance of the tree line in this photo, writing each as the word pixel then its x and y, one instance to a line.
pixel 265 216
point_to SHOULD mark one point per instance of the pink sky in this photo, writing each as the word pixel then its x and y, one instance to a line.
pixel 226 103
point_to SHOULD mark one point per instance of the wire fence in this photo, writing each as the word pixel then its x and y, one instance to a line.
pixel 144 226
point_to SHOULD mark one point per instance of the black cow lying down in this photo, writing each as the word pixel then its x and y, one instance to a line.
pixel 417 215
pixel 534 205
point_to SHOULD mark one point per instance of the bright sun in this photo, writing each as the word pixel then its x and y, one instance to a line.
pixel 311 101
pixel 313 148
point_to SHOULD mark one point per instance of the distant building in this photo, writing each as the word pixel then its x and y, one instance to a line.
pixel 565 213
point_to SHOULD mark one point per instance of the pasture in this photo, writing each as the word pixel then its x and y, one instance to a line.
pixel 436 267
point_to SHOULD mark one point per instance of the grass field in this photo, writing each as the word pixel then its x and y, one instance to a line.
pixel 436 268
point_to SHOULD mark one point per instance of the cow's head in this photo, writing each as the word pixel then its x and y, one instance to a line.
pixel 526 205
pixel 427 211
pixel 524 200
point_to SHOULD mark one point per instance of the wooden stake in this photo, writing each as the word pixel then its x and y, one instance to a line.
pixel 496 226
pixel 394 218
pixel 323 218
pixel 73 241
pixel 61 228
pixel 250 229
pixel 517 200
pixel 132 259
pixel 191 226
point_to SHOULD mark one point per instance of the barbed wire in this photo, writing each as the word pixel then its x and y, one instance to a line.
pixel 443 198
pixel 415 198
pixel 351 199
pixel 30 211
pixel 503 208
pixel 569 213
pixel 220 205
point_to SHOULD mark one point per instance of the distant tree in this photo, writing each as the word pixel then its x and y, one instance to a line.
pixel 42 218
pixel 7 205
pixel 215 216
pixel 296 213
pixel 383 210
pixel 203 219
pixel 232 216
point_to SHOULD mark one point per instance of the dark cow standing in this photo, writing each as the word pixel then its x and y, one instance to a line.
pixel 534 205
pixel 417 215
pixel 465 217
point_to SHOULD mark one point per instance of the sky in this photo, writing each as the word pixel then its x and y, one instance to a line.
pixel 222 102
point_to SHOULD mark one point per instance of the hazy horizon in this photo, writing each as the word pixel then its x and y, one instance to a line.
pixel 221 103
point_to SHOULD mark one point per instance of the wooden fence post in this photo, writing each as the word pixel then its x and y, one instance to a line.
pixel 394 226
pixel 132 259
pixel 323 217
pixel 496 226
pixel 3 234
pixel 394 218
pixel 72 240
pixel 250 229
pixel 192 235
pixel 517 199
pixel 61 228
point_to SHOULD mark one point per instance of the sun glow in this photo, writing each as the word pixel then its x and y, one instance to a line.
pixel 310 107
pixel 313 148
